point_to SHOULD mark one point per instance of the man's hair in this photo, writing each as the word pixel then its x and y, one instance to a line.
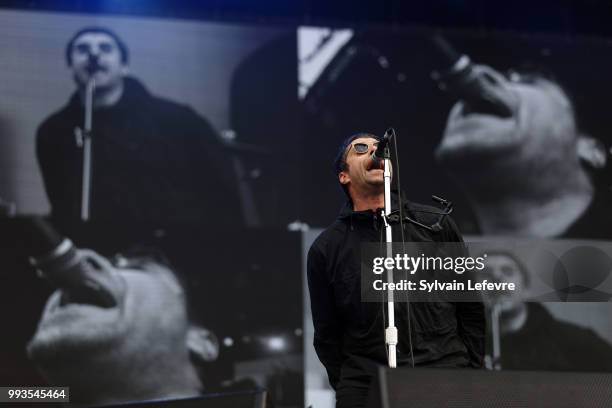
pixel 522 269
pixel 97 30
pixel 340 163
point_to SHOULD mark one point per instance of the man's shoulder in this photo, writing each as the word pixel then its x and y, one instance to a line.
pixel 181 117
pixel 431 215
pixel 329 236
pixel 169 106
pixel 172 109
pixel 161 107
pixel 56 123
pixel 423 213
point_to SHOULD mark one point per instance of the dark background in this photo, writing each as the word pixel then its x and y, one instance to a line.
pixel 561 16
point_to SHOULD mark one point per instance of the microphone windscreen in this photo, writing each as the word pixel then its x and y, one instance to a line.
pixel 445 50
pixel 38 237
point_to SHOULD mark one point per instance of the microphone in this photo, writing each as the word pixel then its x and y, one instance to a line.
pixel 381 151
pixel 84 276
pixel 482 91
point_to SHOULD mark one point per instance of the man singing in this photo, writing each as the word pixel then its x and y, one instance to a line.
pixel 143 345
pixel 349 335
pixel 153 160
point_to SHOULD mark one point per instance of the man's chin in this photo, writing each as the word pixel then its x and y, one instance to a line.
pixel 376 184
pixel 466 156
pixel 58 346
pixel 375 177
pixel 103 82
pixel 509 307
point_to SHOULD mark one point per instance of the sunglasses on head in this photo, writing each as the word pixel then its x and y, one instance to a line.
pixel 362 148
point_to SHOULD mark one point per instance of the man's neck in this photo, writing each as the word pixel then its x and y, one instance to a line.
pixel 543 211
pixel 169 381
pixel 368 201
pixel 514 320
pixel 521 216
pixel 104 97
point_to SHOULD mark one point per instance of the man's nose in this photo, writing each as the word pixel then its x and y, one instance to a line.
pixel 94 52
pixel 93 57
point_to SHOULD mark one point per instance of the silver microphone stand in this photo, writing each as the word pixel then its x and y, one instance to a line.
pixel 495 334
pixel 391 331
pixel 86 180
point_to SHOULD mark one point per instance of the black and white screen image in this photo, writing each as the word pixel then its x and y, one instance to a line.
pixel 165 316
pixel 512 128
pixel 147 143
pixel 502 165
pixel 185 118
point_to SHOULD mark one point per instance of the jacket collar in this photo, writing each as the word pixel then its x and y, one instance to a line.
pixel 347 210
pixel 347 214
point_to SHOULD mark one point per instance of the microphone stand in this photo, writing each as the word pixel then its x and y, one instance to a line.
pixel 86 180
pixel 391 330
pixel 496 352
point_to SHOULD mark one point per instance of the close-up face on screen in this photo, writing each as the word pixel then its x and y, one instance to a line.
pixel 215 211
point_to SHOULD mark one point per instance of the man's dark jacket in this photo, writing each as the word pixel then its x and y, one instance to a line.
pixel 545 343
pixel 349 331
pixel 153 161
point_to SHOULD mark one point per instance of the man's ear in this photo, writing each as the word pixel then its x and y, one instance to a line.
pixel 344 178
pixel 591 151
pixel 125 70
pixel 203 345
